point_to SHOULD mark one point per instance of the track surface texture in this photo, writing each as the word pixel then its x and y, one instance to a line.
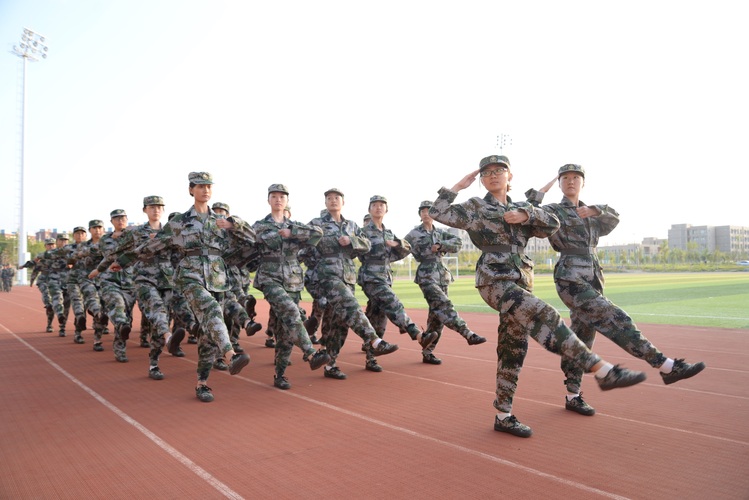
pixel 75 424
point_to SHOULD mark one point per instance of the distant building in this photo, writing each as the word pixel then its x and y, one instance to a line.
pixel 43 234
pixel 726 239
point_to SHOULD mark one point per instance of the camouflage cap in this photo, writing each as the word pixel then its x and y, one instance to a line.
pixel 494 160
pixel 200 178
pixel 119 212
pixel 222 206
pixel 79 228
pixel 571 167
pixel 425 204
pixel 153 200
pixel 278 188
pixel 377 197
pixel 367 217
pixel 49 241
pixel 63 236
pixel 95 223
pixel 334 190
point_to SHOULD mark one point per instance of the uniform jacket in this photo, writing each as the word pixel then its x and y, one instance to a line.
pixel 333 260
pixel 375 266
pixel 202 245
pixel 483 219
pixel 578 234
pixel 431 269
pixel 278 256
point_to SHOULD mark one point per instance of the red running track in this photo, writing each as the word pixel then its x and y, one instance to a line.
pixel 76 424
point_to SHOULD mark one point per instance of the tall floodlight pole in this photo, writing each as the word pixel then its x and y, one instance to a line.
pixel 502 141
pixel 32 48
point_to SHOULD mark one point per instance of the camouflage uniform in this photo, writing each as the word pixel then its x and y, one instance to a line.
pixel 75 276
pixel 39 274
pixel 57 264
pixel 117 292
pixel 89 256
pixel 201 274
pixel 504 278
pixel 376 280
pixel 337 276
pixel 579 282
pixel 7 274
pixel 153 284
pixel 308 256
pixel 434 278
pixel 281 279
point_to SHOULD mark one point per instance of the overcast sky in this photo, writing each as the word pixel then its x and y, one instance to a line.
pixel 395 98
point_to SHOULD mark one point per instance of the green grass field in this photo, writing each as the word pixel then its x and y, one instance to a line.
pixel 692 299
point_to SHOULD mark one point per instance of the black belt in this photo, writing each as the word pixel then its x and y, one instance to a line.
pixel 153 260
pixel 578 251
pixel 503 249
pixel 331 254
pixel 377 262
pixel 272 259
pixel 201 251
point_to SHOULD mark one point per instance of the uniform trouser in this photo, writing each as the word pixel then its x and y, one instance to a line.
pixel 273 323
pixel 235 315
pixel 590 311
pixel 181 312
pixel 119 303
pixel 441 313
pixel 384 305
pixel 289 327
pixel 76 299
pixel 95 307
pixel 318 303
pixel 208 310
pixel 341 313
pixel 154 304
pixel 60 300
pixel 522 314
pixel 44 290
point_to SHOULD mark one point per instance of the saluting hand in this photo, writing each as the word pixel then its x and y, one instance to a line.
pixel 344 241
pixel 465 181
pixel 548 186
pixel 224 224
pixel 284 233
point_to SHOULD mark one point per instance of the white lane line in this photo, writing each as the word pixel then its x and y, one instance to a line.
pixel 192 466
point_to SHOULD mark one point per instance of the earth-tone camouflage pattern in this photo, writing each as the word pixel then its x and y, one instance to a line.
pixel 434 278
pixel 336 273
pixel 56 262
pixel 505 282
pixel 376 279
pixel 201 274
pixel 308 256
pixel 579 282
pixel 117 290
pixel 153 279
pixel 89 256
pixel 75 276
pixel 281 279
pixel 8 273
